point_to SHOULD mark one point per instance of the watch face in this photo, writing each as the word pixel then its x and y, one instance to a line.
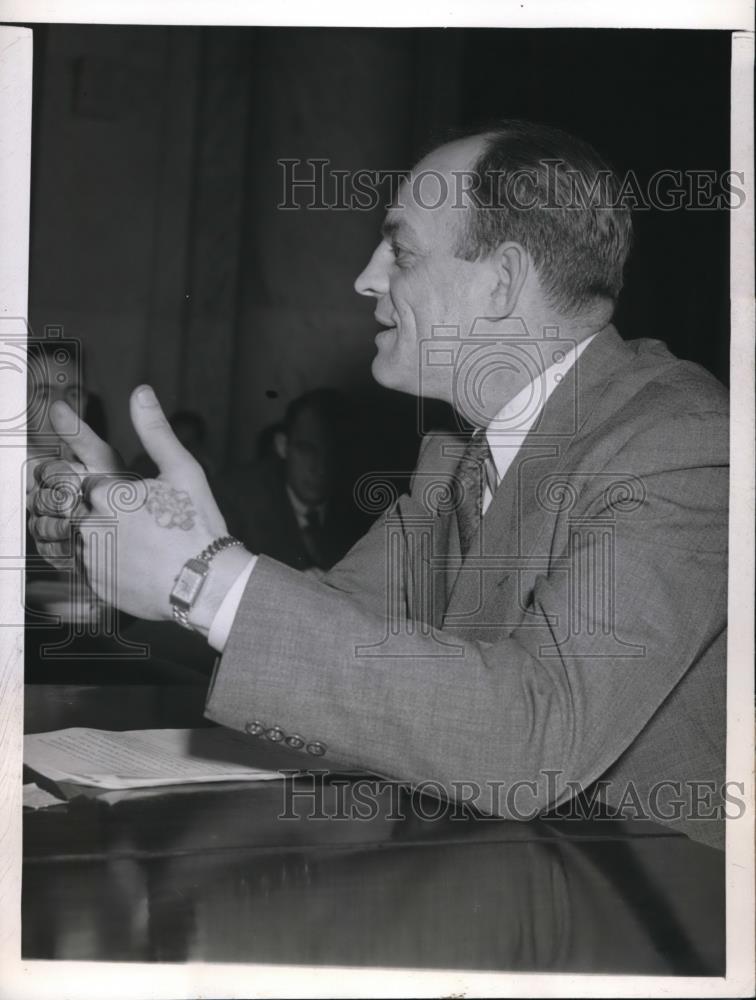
pixel 189 583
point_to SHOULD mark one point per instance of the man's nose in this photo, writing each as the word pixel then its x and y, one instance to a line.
pixel 374 280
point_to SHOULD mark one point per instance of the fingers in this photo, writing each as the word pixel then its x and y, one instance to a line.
pixel 59 555
pixel 90 449
pixel 40 468
pixel 176 465
pixel 58 487
pixel 45 529
pixel 56 470
pixel 161 444
pixel 54 539
pixel 55 502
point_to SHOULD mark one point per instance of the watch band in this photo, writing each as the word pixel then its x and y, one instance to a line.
pixel 191 579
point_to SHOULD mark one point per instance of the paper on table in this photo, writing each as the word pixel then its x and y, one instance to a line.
pixel 143 758
pixel 37 798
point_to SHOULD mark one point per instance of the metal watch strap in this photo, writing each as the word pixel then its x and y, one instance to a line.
pixel 181 614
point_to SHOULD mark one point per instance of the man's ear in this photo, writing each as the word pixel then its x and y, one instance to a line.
pixel 511 262
pixel 280 443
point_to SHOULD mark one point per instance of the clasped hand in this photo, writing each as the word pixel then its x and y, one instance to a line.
pixel 129 536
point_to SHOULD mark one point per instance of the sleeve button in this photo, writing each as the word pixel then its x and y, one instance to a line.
pixel 294 741
pixel 316 749
pixel 275 735
pixel 255 728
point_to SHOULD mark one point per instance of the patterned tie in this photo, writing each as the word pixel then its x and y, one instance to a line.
pixel 470 482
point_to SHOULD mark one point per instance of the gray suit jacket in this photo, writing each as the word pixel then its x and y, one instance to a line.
pixel 581 638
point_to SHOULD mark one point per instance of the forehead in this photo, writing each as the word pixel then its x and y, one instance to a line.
pixel 307 424
pixel 428 205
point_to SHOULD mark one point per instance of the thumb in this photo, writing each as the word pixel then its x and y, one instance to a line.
pixel 90 449
pixel 158 440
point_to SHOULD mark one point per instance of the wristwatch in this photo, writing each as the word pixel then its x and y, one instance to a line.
pixel 191 579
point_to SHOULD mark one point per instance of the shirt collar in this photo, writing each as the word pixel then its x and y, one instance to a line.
pixel 509 427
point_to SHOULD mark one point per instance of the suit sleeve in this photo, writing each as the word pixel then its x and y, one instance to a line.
pixel 324 660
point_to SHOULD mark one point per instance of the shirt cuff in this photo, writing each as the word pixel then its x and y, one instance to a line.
pixel 224 616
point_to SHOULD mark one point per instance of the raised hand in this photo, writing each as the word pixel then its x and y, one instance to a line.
pixel 132 535
pixel 54 493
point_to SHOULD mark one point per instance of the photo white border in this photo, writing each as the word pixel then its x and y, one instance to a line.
pixel 731 15
pixel 133 981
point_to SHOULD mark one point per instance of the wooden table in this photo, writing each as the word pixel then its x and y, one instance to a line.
pixel 212 873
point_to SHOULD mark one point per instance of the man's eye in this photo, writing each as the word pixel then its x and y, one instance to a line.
pixel 399 254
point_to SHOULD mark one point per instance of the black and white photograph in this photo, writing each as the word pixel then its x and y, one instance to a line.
pixel 377 476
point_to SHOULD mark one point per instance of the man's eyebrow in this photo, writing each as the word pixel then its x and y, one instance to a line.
pixel 389 228
pixel 393 227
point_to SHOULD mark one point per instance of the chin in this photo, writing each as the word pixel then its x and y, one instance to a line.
pixel 394 371
pixel 381 371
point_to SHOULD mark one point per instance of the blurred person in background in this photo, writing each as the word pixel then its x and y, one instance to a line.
pixel 295 504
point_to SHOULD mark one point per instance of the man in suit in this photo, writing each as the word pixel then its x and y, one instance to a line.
pixel 545 611
pixel 296 505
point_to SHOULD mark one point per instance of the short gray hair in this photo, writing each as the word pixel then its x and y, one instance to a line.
pixel 552 193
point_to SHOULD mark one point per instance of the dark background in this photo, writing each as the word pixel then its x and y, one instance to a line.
pixel 157 242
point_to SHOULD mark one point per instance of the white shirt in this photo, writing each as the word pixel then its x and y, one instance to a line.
pixel 505 435
pixel 515 419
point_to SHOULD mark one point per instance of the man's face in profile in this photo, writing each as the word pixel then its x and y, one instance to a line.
pixel 417 280
pixel 307 453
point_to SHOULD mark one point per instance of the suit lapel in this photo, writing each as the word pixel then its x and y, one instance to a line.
pixel 430 500
pixel 517 512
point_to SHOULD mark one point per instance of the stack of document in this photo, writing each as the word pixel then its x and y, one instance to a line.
pixel 144 758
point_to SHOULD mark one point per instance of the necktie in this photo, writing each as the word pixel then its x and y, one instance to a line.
pixel 314 538
pixel 470 483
